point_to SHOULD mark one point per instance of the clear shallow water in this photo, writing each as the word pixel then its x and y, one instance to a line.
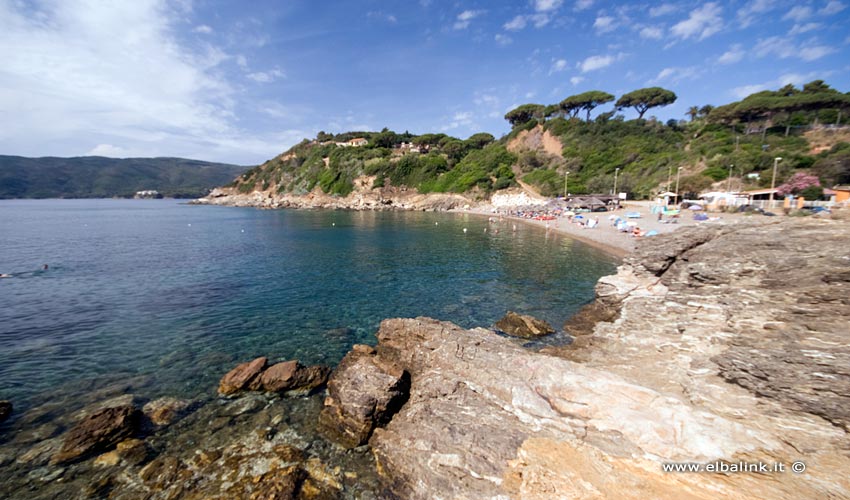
pixel 179 293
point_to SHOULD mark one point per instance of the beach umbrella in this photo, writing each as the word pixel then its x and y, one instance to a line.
pixel 695 207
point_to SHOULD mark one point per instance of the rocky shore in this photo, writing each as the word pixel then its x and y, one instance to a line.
pixel 724 345
pixel 362 198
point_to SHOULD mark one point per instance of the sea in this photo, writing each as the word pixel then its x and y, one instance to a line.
pixel 181 292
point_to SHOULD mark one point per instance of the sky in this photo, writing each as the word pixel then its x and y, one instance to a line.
pixel 240 82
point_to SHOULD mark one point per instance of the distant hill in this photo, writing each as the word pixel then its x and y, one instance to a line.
pixel 100 177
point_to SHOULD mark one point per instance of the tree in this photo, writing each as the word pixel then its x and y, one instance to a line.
pixel 479 140
pixel 705 110
pixel 524 113
pixel 644 99
pixel 693 112
pixel 797 183
pixel 588 100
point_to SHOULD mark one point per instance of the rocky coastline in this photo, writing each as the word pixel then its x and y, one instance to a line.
pixel 711 345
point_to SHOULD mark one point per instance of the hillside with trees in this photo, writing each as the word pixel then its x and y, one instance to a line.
pixel 709 145
pixel 99 177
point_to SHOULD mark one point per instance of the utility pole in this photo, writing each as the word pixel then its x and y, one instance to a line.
pixel 616 171
pixel 773 181
pixel 566 176
pixel 678 173
pixel 729 179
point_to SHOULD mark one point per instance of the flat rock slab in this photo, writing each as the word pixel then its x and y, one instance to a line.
pixel 239 378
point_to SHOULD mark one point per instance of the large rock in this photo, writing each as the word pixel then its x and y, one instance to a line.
pixel 292 377
pixel 240 378
pixel 165 411
pixel 364 392
pixel 522 325
pixel 5 410
pixel 487 418
pixel 98 432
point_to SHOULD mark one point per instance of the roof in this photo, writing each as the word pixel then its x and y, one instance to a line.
pixel 760 191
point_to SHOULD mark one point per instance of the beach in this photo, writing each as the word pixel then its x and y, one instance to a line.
pixel 605 235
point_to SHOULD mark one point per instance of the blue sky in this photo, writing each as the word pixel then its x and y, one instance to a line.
pixel 242 81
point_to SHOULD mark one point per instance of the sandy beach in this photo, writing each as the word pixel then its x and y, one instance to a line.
pixel 605 235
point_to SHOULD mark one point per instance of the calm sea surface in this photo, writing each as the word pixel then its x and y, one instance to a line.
pixel 174 294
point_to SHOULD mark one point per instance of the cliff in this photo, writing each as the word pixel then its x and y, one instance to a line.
pixel 722 345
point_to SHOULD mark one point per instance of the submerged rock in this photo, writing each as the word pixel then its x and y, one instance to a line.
pixel 98 432
pixel 166 411
pixel 240 377
pixel 5 410
pixel 521 325
pixel 363 393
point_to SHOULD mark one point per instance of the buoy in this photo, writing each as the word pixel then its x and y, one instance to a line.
pixel 436 223
pixel 243 230
pixel 333 224
pixel 464 230
pixel 190 224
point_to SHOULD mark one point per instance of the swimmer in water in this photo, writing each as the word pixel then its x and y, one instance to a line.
pixel 5 275
pixel 45 267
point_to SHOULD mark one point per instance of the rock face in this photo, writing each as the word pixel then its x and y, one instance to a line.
pixel 730 345
pixel 240 377
pixel 98 432
pixel 521 325
pixel 292 376
pixel 363 393
pixel 5 410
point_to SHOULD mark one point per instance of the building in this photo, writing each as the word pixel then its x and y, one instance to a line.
pixel 841 193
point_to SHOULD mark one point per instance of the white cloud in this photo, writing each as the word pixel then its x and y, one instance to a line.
pixel 784 49
pixel 558 66
pixel 539 20
pixel 604 24
pixel 503 40
pixel 242 61
pixel 745 90
pixel 799 29
pixel 460 119
pixel 108 150
pixel 662 10
pixel 115 73
pixel 799 14
pixel 594 63
pixel 547 5
pixel 583 5
pixel 833 7
pixel 786 79
pixel 466 17
pixel 266 76
pixel 733 55
pixel 516 23
pixel 751 12
pixel 815 52
pixel 651 32
pixel 676 74
pixel 701 23
pixel 382 16
pixel 576 80
pixel 203 29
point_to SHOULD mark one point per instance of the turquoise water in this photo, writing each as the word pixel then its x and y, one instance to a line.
pixel 174 294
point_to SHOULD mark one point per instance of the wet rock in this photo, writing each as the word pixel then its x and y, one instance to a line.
pixel 363 393
pixel 5 410
pixel 166 411
pixel 133 451
pixel 521 325
pixel 98 432
pixel 239 378
pixel 293 377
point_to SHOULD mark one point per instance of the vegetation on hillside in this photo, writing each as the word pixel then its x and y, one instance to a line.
pixel 644 154
pixel 99 177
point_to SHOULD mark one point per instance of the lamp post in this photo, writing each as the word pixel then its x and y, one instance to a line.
pixel 773 181
pixel 669 174
pixel 678 173
pixel 616 171
pixel 566 176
